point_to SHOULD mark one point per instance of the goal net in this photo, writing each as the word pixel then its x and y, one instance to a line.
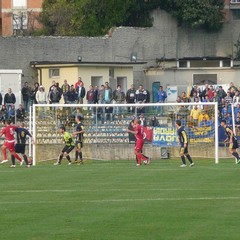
pixel 105 136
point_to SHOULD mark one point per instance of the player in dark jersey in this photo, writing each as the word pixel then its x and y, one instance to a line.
pixel 21 138
pixel 183 140
pixel 232 139
pixel 78 134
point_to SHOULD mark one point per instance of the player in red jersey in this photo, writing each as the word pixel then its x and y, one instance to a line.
pixel 139 134
pixel 9 131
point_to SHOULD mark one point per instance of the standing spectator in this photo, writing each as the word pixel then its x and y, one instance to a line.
pixel 51 87
pixel 221 93
pixel 77 84
pixel 236 98
pixel 1 99
pixel 9 98
pixel 229 120
pixel 65 88
pixel 81 92
pixel 55 95
pixel 11 112
pixel 211 92
pixel 33 93
pixel 215 98
pixel 141 96
pixel 182 119
pixel 101 100
pixel 184 97
pixel 71 95
pixel 101 92
pixel 41 96
pixel 204 92
pixel 232 89
pixel 194 115
pixel 90 95
pixel 4 113
pixel 194 89
pixel 130 98
pixel 236 110
pixel 20 113
pixel 142 120
pixel 228 99
pixel 96 94
pixel 118 97
pixel 107 93
pixel 161 97
pixel 203 115
pixel 154 122
pixel 26 94
pixel 193 97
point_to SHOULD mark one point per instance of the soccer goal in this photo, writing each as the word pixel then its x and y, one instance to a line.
pixel 105 136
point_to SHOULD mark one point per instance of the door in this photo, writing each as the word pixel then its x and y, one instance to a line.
pixel 155 87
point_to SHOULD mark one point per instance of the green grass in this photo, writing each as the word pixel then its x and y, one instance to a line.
pixel 117 200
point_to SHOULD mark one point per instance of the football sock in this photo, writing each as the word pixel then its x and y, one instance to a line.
pixel 76 155
pixel 68 158
pixel 17 156
pixel 60 158
pixel 183 160
pixel 25 159
pixel 80 155
pixel 235 154
pixel 189 158
pixel 13 160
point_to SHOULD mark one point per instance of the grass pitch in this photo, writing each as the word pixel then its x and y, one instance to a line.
pixel 117 200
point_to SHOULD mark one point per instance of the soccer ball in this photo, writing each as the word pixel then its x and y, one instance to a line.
pixel 30 160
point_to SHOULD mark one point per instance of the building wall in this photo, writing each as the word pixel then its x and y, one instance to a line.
pixel 72 74
pixel 34 7
pixel 164 39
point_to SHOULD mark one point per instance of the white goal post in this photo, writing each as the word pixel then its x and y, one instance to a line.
pixel 121 111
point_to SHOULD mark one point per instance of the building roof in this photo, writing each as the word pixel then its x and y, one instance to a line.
pixel 80 63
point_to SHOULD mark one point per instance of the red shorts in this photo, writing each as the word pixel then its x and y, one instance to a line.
pixel 9 145
pixel 139 144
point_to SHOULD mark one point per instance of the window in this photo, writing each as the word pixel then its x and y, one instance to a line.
pixel 201 79
pixel 19 21
pixel 204 63
pixel 183 64
pixel 226 63
pixel 235 1
pixel 54 73
pixel 19 3
pixel 236 14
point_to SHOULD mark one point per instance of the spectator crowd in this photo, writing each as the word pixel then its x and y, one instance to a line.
pixel 199 115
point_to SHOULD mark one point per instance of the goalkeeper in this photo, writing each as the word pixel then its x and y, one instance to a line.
pixel 69 146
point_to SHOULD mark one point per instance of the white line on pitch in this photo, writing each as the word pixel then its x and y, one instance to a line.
pixel 125 200
pixel 106 189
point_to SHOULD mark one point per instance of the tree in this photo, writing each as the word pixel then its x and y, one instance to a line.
pixel 196 14
pixel 96 17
